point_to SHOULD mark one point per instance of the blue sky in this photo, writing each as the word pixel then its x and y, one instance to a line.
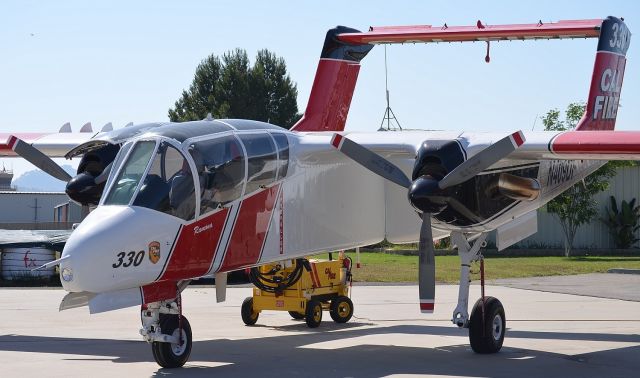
pixel 122 61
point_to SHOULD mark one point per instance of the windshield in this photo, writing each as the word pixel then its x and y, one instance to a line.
pixel 168 186
pixel 129 176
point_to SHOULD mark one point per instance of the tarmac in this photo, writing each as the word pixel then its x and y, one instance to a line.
pixel 549 334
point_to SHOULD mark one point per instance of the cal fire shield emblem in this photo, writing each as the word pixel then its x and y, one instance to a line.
pixel 154 251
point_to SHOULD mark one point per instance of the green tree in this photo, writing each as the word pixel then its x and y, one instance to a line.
pixel 576 206
pixel 231 88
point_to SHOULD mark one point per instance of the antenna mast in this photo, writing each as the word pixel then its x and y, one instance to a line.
pixel 388 116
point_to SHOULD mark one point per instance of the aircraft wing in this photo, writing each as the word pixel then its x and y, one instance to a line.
pixel 544 145
pixel 580 145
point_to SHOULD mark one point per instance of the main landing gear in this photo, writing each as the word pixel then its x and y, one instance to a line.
pixel 487 324
pixel 168 332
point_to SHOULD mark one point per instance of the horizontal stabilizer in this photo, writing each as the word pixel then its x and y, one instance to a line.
pixel 478 32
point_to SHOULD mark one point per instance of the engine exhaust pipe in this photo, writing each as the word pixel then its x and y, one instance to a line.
pixel 518 188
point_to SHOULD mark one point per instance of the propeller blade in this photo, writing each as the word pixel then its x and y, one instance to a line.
pixel 37 158
pixel 482 160
pixel 370 160
pixel 221 287
pixel 102 177
pixel 426 266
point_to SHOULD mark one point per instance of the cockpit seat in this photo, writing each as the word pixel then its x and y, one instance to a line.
pixel 154 194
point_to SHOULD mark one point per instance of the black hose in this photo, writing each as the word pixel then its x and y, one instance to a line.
pixel 262 280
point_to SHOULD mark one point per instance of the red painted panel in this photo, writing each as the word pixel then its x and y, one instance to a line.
pixel 604 93
pixel 195 248
pixel 159 291
pixel 330 97
pixel 250 230
pixel 597 142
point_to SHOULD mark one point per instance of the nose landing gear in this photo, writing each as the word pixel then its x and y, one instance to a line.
pixel 168 332
pixel 487 324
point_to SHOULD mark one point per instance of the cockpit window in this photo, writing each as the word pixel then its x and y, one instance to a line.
pixel 283 154
pixel 262 159
pixel 127 181
pixel 117 162
pixel 220 163
pixel 168 187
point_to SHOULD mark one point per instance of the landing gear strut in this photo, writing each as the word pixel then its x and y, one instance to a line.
pixel 487 324
pixel 168 332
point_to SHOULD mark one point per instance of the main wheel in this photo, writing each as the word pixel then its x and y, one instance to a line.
pixel 488 336
pixel 313 314
pixel 341 309
pixel 296 315
pixel 173 355
pixel 249 316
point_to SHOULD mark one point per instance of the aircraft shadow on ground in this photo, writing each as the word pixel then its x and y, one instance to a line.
pixel 285 354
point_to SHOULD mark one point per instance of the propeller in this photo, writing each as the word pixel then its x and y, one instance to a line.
pixel 37 158
pixel 426 266
pixel 86 187
pixel 427 194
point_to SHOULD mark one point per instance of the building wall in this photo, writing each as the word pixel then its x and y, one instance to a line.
pixel 624 186
pixel 18 207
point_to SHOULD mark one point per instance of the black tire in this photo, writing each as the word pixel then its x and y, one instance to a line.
pixel 169 355
pixel 488 337
pixel 249 317
pixel 296 315
pixel 341 309
pixel 313 313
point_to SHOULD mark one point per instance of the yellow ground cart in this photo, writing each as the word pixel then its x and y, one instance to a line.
pixel 302 287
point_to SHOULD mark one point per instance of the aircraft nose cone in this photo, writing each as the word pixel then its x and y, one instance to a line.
pixel 110 249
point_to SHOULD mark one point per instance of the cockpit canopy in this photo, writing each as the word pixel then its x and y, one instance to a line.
pixel 155 174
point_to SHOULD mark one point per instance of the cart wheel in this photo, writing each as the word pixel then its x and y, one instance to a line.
pixel 249 316
pixel 296 315
pixel 173 355
pixel 341 309
pixel 488 337
pixel 313 314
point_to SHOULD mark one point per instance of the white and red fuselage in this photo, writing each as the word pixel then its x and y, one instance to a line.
pixel 325 202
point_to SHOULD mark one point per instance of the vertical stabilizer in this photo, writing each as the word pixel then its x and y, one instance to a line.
pixel 334 83
pixel 608 72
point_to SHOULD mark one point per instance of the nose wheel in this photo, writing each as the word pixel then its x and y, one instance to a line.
pixel 175 353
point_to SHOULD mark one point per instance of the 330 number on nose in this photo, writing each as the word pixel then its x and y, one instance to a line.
pixel 125 259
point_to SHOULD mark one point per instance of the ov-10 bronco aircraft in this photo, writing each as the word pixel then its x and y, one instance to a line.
pixel 178 201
